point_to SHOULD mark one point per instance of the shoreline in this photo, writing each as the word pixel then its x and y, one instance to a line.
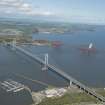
pixel 47 95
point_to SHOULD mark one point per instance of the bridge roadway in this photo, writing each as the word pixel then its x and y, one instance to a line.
pixel 62 73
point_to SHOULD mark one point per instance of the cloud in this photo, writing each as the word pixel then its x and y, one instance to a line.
pixel 10 3
pixel 22 7
pixel 39 13
pixel 8 12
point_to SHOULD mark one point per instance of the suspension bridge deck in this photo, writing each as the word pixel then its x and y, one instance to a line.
pixel 62 73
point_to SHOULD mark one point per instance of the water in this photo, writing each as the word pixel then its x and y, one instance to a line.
pixel 15 65
pixel 89 69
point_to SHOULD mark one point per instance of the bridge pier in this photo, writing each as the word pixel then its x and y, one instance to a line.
pixel 70 84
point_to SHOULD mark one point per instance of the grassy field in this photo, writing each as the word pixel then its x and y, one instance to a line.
pixel 101 91
pixel 69 99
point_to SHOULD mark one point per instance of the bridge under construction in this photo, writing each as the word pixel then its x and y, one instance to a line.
pixel 60 72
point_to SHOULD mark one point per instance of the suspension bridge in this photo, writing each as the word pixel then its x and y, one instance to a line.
pixel 60 72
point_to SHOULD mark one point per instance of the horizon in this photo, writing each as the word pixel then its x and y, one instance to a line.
pixel 71 11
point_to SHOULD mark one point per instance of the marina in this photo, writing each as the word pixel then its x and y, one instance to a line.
pixel 11 86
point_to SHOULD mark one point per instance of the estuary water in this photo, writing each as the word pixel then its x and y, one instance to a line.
pixel 89 69
pixel 86 68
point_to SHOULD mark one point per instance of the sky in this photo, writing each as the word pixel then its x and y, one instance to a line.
pixel 81 11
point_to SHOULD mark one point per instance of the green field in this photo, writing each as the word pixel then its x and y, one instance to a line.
pixel 69 99
pixel 101 91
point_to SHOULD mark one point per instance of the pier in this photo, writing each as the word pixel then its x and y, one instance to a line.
pixel 61 73
pixel 11 86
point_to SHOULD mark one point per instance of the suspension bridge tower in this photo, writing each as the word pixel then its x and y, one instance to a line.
pixel 45 62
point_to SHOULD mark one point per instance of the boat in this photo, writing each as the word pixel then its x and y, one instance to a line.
pixel 89 49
